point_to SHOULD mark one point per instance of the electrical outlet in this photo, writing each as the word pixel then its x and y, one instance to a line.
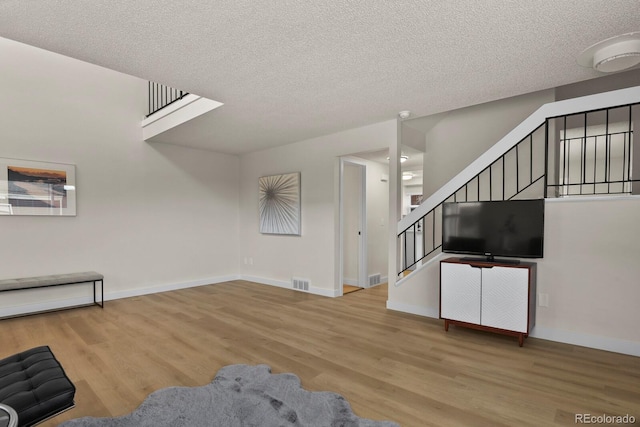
pixel 543 300
pixel 245 261
pixel 250 260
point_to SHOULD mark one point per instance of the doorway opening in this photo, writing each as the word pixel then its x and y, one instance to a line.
pixel 353 220
pixel 362 257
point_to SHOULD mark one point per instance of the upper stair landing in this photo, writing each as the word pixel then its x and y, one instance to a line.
pixel 174 112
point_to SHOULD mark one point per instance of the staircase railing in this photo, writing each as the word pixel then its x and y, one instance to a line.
pixel 593 156
pixel 596 156
pixel 161 96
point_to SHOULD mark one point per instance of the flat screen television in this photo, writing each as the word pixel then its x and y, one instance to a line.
pixel 513 228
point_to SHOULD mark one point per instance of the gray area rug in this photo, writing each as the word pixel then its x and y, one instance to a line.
pixel 239 395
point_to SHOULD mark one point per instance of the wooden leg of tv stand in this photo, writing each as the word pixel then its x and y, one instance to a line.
pixel 521 340
pixel 446 325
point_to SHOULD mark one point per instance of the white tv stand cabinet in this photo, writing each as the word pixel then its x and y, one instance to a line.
pixel 488 295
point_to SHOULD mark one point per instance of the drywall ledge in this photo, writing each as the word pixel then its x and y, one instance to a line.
pixel 188 108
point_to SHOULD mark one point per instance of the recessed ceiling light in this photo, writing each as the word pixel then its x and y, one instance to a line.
pixel 613 54
pixel 406 176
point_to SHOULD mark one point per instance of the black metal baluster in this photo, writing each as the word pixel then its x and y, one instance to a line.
pixel 433 226
pixel 424 236
pixel 491 182
pixel 404 265
pixel 517 170
pixel 625 165
pixel 566 148
pixel 531 158
pixel 415 251
pixel 583 156
pixel 504 179
pixel 607 154
pixel 161 96
pixel 546 157
pixel 628 137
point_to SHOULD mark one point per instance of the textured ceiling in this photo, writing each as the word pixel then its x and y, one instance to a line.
pixel 289 70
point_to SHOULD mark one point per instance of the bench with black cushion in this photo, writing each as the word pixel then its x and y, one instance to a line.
pixel 34 384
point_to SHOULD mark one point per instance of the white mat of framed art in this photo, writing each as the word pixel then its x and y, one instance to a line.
pixel 30 187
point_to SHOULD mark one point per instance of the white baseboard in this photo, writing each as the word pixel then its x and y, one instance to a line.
pixel 413 309
pixel 331 293
pixel 585 340
pixel 575 338
pixel 108 296
pixel 287 285
pixel 168 287
pixel 352 282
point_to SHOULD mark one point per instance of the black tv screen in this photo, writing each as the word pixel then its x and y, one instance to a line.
pixel 513 228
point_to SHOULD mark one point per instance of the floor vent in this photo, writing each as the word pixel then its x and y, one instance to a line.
pixel 374 279
pixel 300 284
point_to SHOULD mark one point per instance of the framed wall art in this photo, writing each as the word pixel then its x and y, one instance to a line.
pixel 279 204
pixel 37 188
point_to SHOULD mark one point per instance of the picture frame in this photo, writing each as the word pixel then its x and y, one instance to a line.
pixel 279 204
pixel 30 187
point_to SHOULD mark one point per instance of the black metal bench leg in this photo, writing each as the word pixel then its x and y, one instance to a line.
pixel 95 300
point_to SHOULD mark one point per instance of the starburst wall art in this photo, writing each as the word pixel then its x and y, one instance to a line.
pixel 279 204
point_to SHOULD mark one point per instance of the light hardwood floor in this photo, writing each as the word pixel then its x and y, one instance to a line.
pixel 388 365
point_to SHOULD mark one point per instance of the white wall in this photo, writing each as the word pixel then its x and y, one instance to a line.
pixel 460 136
pixel 591 269
pixel 590 272
pixel 377 219
pixel 148 216
pixel 352 186
pixel 412 137
pixel 276 259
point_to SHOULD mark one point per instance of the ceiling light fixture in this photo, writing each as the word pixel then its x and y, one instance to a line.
pixel 403 158
pixel 406 176
pixel 404 114
pixel 613 54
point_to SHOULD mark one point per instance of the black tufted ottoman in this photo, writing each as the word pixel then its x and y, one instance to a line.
pixel 35 385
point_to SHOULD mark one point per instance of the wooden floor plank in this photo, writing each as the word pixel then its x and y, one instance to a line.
pixel 388 365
